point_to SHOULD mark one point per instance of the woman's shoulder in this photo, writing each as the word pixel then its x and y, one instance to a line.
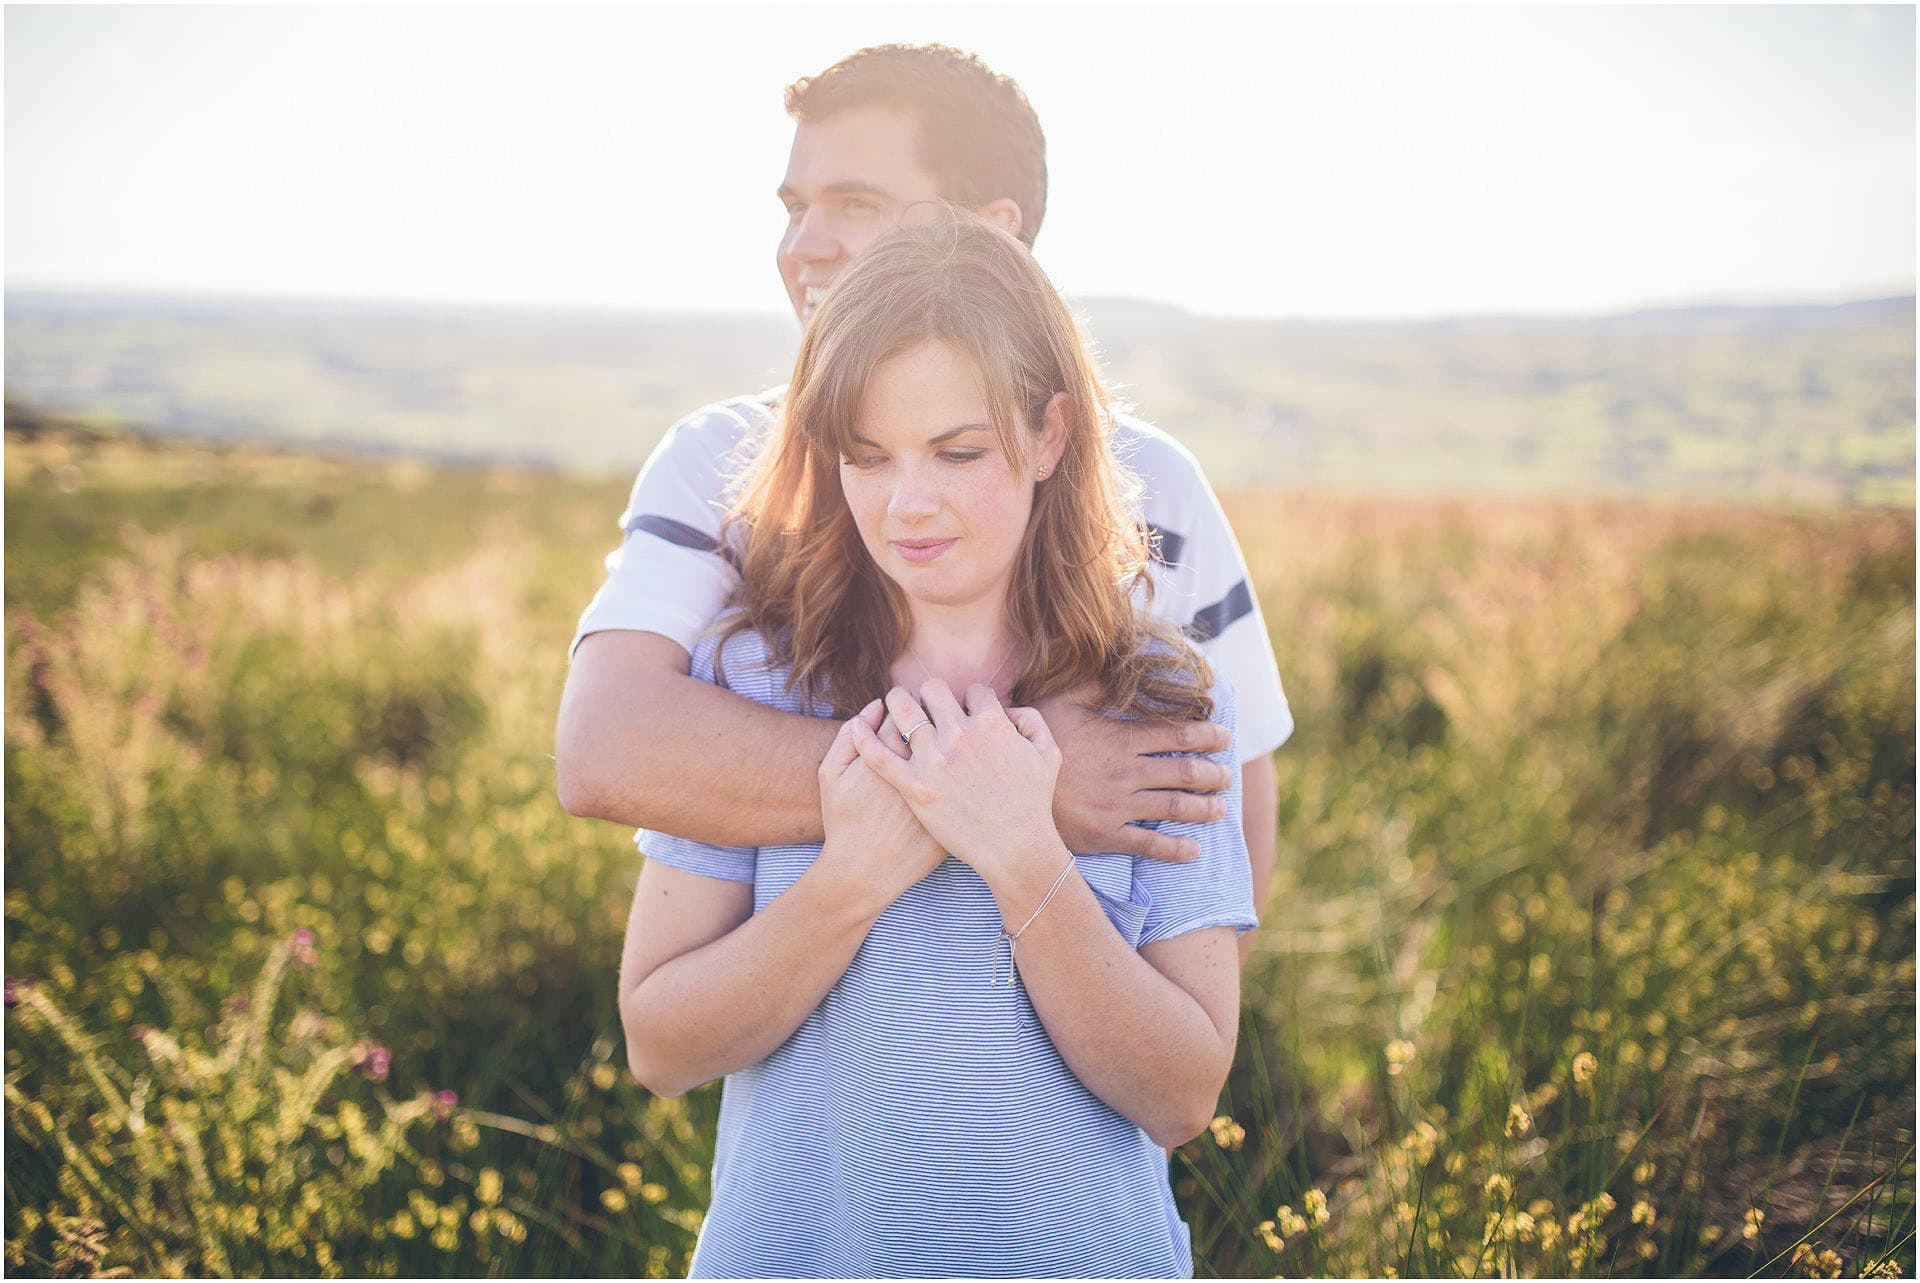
pixel 737 656
pixel 1174 656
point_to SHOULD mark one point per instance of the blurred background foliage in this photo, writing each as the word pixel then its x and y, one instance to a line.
pixel 1803 404
pixel 1591 949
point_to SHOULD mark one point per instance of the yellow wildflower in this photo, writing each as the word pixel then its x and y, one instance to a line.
pixel 604 1076
pixel 1273 1241
pixel 1316 1204
pixel 1584 1068
pixel 1290 1221
pixel 1227 1134
pixel 1519 1121
pixel 1643 1213
pixel 1647 1250
pixel 613 1200
pixel 1643 1174
pixel 488 1188
pixel 1499 1186
pixel 653 1192
pixel 1399 1053
pixel 630 1176
pixel 1755 1218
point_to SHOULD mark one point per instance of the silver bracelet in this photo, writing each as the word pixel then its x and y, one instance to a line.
pixel 1012 936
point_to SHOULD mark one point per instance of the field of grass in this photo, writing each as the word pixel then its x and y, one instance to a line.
pixel 1591 949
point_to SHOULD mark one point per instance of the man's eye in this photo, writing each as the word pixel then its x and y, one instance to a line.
pixel 857 206
pixel 794 212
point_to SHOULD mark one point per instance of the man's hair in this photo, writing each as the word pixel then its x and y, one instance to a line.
pixel 978 134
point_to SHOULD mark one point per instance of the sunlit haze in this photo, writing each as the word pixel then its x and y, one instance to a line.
pixel 1365 162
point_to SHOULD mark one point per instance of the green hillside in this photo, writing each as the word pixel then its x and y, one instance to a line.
pixel 1804 405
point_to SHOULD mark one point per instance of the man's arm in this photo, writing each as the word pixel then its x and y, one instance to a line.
pixel 1260 820
pixel 638 740
pixel 638 737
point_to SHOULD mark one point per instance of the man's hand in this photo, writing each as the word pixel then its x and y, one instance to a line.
pixel 1107 782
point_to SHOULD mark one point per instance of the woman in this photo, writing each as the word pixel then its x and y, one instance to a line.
pixel 950 1046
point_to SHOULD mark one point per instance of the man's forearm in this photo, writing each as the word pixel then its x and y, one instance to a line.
pixel 1137 1040
pixel 731 1003
pixel 643 745
pixel 1260 821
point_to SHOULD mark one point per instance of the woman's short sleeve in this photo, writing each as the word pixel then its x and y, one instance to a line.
pixel 745 665
pixel 1216 889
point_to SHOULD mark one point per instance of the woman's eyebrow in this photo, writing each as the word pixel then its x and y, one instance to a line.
pixel 948 435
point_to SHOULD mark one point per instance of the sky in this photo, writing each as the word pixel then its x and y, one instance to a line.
pixel 1352 162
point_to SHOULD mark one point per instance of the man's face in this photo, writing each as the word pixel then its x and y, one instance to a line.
pixel 851 178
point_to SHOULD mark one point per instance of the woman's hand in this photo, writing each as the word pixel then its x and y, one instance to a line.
pixel 873 839
pixel 980 778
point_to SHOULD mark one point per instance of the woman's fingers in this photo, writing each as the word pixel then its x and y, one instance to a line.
pixel 841 753
pixel 890 736
pixel 881 760
pixel 1031 725
pixel 937 698
pixel 982 699
pixel 906 713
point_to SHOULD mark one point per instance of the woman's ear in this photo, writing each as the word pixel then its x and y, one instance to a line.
pixel 1053 435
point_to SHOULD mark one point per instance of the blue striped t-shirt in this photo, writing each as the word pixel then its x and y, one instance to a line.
pixel 920 1122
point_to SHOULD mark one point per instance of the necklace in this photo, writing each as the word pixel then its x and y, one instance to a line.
pixel 927 676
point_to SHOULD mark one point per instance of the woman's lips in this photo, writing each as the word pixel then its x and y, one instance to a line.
pixel 920 551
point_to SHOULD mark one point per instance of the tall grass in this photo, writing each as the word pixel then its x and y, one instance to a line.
pixel 1591 950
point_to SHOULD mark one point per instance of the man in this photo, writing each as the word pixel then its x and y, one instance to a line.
pixel 881 134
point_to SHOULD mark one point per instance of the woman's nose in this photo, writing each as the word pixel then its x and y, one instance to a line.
pixel 913 498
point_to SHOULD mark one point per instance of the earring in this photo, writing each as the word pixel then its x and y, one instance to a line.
pixel 1042 474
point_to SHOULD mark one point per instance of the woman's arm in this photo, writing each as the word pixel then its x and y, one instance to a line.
pixel 1151 1032
pixel 707 986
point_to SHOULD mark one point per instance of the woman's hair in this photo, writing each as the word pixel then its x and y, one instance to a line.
pixel 808 584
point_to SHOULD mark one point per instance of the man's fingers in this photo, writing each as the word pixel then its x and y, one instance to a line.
pixel 906 713
pixel 1181 737
pixel 880 759
pixel 1173 804
pixel 1195 774
pixel 1131 839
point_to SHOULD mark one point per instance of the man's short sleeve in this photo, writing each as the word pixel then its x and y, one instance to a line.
pixel 1201 581
pixel 1215 890
pixel 667 576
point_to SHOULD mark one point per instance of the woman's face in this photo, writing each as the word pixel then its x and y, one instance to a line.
pixel 941 508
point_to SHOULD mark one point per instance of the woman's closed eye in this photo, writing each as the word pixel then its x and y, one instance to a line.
pixel 869 461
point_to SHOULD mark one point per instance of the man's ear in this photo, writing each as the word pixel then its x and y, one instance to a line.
pixel 1003 213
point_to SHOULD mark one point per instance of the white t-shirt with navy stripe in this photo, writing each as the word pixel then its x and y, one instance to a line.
pixel 920 1122
pixel 666 576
